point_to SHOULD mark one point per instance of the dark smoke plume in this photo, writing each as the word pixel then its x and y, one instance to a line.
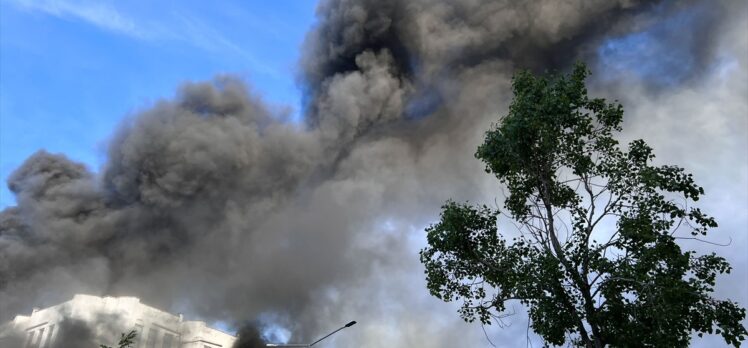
pixel 249 337
pixel 216 204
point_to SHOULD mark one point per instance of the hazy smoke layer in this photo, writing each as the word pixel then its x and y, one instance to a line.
pixel 70 333
pixel 78 333
pixel 214 204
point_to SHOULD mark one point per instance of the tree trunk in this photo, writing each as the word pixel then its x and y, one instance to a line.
pixel 580 283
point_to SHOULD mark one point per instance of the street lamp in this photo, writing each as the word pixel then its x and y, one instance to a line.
pixel 313 343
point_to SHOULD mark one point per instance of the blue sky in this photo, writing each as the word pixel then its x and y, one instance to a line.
pixel 660 54
pixel 70 71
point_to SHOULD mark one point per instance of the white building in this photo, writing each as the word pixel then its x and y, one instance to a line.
pixel 104 319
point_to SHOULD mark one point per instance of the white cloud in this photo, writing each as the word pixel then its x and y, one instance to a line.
pixel 202 35
pixel 99 14
pixel 169 26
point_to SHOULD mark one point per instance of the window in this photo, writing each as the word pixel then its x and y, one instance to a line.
pixel 48 341
pixel 167 340
pixel 151 339
pixel 30 338
pixel 138 342
pixel 39 338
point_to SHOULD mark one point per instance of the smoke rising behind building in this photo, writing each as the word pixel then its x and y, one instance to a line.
pixel 221 205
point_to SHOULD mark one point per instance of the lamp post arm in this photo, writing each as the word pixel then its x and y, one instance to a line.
pixel 328 335
pixel 331 333
pixel 315 342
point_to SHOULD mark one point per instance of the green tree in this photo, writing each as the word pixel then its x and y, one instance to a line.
pixel 125 341
pixel 595 259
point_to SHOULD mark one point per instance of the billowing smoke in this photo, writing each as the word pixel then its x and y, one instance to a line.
pixel 217 204
pixel 249 337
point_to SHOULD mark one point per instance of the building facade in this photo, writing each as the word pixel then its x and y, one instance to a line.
pixel 101 320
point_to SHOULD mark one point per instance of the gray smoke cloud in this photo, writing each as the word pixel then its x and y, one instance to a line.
pixel 80 333
pixel 217 204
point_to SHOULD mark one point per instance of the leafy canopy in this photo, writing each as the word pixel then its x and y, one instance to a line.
pixel 596 258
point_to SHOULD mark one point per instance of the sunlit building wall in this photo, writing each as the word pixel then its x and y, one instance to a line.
pixel 105 318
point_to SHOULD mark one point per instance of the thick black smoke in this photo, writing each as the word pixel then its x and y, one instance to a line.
pixel 249 337
pixel 215 204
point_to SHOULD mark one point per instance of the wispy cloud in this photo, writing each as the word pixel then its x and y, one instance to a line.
pixel 99 14
pixel 202 35
pixel 174 26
